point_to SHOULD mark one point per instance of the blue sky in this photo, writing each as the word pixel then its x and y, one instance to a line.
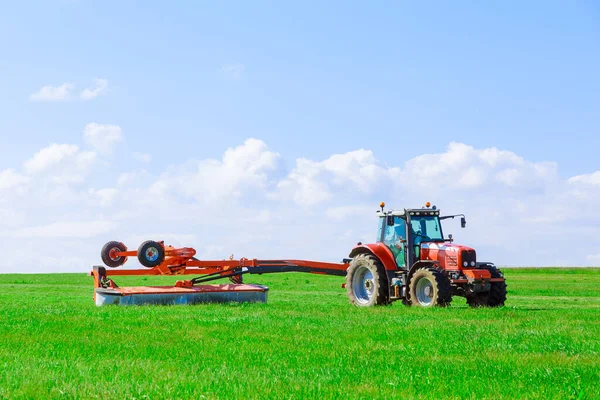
pixel 185 82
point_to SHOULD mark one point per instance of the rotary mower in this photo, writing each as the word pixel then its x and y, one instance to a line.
pixel 410 261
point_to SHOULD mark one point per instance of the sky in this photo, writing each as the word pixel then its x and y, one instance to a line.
pixel 274 129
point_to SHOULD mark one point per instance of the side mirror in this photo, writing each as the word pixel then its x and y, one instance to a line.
pixel 463 222
pixel 390 220
pixel 450 236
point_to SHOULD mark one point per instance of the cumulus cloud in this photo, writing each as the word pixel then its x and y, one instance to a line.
pixel 65 91
pixel 103 137
pixel 586 179
pixel 100 88
pixel 126 178
pixel 50 156
pixel 241 169
pixel 312 182
pixel 11 179
pixel 77 229
pixel 245 202
pixel 341 213
pixel 462 166
pixel 105 197
pixel 61 163
pixel 53 93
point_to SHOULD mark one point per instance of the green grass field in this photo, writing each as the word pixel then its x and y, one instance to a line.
pixel 306 342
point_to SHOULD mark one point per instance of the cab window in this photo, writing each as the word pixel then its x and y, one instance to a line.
pixel 394 237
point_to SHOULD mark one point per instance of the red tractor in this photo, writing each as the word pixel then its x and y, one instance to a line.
pixel 412 261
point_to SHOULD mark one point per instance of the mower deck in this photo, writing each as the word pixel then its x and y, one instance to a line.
pixel 171 295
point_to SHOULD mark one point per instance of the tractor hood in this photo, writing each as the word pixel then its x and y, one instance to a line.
pixel 450 256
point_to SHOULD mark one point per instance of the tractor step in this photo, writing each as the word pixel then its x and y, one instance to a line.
pixel 172 295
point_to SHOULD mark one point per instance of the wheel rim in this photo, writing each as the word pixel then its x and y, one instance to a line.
pixel 424 292
pixel 363 285
pixel 112 254
pixel 151 254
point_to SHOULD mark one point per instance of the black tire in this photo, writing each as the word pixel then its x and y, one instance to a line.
pixel 366 282
pixel 495 297
pixel 429 287
pixel 150 254
pixel 113 261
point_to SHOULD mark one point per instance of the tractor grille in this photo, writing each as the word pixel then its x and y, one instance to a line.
pixel 451 261
pixel 470 257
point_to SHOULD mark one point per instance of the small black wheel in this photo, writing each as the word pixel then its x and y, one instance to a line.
pixel 429 287
pixel 150 254
pixel 109 257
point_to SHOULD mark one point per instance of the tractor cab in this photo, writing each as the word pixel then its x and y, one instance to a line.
pixel 410 234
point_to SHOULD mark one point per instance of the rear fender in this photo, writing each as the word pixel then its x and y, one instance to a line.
pixel 380 251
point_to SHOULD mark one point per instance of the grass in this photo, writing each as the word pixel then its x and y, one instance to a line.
pixel 306 342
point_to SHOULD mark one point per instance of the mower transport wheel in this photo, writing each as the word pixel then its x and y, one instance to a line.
pixel 429 287
pixel 108 254
pixel 495 297
pixel 150 254
pixel 366 282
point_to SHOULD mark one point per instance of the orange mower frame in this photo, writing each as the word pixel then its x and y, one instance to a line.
pixel 161 259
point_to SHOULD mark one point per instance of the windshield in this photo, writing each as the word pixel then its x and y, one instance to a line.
pixel 426 229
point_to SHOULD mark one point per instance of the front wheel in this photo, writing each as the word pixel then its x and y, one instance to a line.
pixel 366 282
pixel 495 297
pixel 429 287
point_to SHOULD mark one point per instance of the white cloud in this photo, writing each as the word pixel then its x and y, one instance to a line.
pixel 342 213
pixel 53 93
pixel 142 157
pixel 50 156
pixel 64 92
pixel 463 166
pixel 303 184
pixel 312 182
pixel 103 137
pixel 245 203
pixel 11 218
pixel 61 163
pixel 84 230
pixel 208 181
pixel 587 179
pixel 10 179
pixel 105 196
pixel 170 238
pixel 137 178
pixel 233 71
pixel 100 88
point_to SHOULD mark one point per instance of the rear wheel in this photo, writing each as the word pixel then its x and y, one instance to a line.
pixel 495 297
pixel 109 254
pixel 150 254
pixel 429 287
pixel 366 281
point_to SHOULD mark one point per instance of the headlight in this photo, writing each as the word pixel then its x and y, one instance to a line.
pixel 465 264
pixel 472 263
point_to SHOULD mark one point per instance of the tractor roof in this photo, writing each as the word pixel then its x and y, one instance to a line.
pixel 410 211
